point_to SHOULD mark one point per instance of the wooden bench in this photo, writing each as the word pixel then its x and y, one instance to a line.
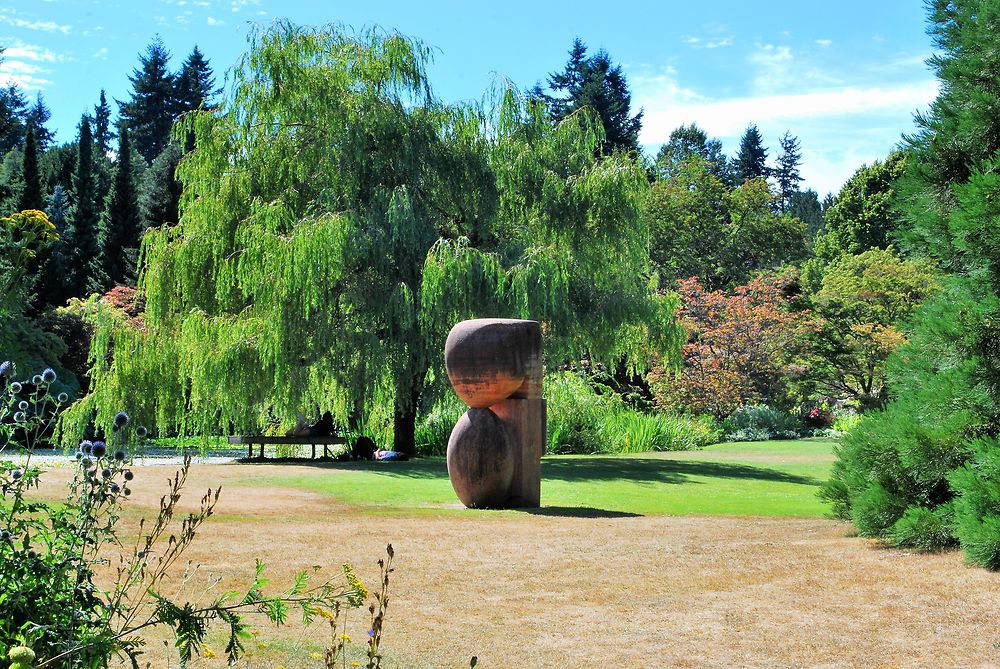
pixel 257 440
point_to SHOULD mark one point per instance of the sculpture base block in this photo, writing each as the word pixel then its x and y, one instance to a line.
pixel 525 423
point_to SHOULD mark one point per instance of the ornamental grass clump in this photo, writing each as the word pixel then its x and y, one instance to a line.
pixel 55 609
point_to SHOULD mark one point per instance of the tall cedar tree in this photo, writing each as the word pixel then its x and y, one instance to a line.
pixel 80 247
pixel 118 237
pixel 596 83
pixel 150 112
pixel 786 171
pixel 160 193
pixel 103 133
pixel 751 160
pixel 805 206
pixel 31 189
pixel 38 116
pixel 194 88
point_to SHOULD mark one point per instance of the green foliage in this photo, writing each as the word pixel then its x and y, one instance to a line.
pixel 862 304
pixel 924 529
pixel 805 206
pixel 31 189
pixel 786 171
pixel 702 227
pixel 80 241
pixel 751 158
pixel 582 421
pixel 759 422
pixel 434 428
pixel 103 130
pixel 595 84
pixel 160 191
pixel 862 215
pixel 119 229
pixel 149 113
pixel 337 220
pixel 685 143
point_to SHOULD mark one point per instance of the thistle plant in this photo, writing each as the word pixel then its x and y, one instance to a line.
pixel 55 611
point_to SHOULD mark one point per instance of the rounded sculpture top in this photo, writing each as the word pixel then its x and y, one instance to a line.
pixel 490 359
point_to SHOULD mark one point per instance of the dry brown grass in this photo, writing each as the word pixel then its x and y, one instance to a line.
pixel 538 591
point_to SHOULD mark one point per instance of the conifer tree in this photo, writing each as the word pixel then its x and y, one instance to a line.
pixel 751 159
pixel 195 84
pixel 118 236
pixel 161 191
pixel 13 112
pixel 597 83
pixel 103 133
pixel 57 208
pixel 80 246
pixel 38 115
pixel 31 189
pixel 786 172
pixel 688 141
pixel 149 113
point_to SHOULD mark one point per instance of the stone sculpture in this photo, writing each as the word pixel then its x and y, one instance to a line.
pixel 495 449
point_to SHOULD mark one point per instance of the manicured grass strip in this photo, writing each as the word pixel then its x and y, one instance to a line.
pixel 778 478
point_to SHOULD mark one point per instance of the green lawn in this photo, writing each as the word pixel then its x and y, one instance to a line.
pixel 774 478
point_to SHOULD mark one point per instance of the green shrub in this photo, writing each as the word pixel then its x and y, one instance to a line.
pixel 580 420
pixel 977 507
pixel 761 423
pixel 434 429
pixel 924 529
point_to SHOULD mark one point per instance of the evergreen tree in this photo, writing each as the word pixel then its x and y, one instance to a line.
pixel 103 134
pixel 80 246
pixel 57 208
pixel 13 109
pixel 805 206
pixel 118 237
pixel 924 473
pixel 57 166
pixel 687 141
pixel 751 159
pixel 195 84
pixel 599 85
pixel 786 172
pixel 161 191
pixel 31 189
pixel 37 117
pixel 149 113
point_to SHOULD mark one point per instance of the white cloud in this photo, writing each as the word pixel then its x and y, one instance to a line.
pixel 237 5
pixel 699 43
pixel 840 127
pixel 102 53
pixel 825 43
pixel 26 76
pixel 20 50
pixel 773 66
pixel 45 26
pixel 212 21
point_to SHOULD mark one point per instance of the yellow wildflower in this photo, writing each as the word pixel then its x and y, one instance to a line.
pixel 208 653
pixel 355 663
pixel 345 637
pixel 316 656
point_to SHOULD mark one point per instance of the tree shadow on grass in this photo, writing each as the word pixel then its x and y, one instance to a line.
pixel 578 512
pixel 579 469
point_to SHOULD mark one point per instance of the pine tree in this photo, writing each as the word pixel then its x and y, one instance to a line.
pixel 31 190
pixel 103 134
pixel 786 172
pixel 805 206
pixel 80 246
pixel 195 84
pixel 118 237
pixel 751 159
pixel 161 191
pixel 38 116
pixel 13 110
pixel 150 112
pixel 597 84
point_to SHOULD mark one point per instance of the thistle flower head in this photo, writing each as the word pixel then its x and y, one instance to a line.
pixel 36 379
pixel 22 405
pixel 121 419
pixel 19 417
pixel 86 447
pixel 120 456
pixel 49 375
pixel 62 398
pixel 99 449
pixel 6 369
pixel 141 432
pixel 17 473
pixel 15 387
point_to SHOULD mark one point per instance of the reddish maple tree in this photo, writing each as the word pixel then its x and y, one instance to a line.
pixel 740 346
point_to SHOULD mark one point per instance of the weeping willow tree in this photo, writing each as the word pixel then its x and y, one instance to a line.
pixel 336 221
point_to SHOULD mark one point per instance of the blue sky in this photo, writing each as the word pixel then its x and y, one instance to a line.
pixel 845 77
